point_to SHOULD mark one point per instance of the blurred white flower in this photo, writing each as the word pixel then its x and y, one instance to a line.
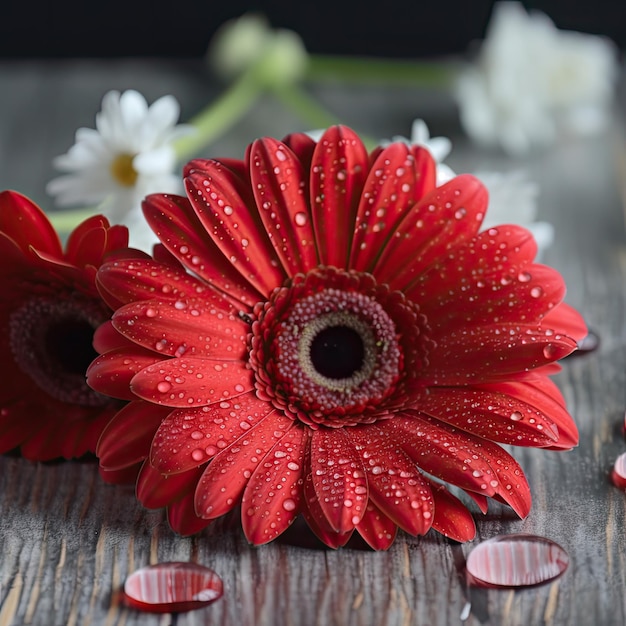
pixel 531 78
pixel 129 155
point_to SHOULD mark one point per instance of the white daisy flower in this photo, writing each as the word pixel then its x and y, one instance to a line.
pixel 532 80
pixel 129 155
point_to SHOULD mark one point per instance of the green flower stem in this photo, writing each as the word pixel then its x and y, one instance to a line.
pixel 379 71
pixel 220 115
pixel 306 107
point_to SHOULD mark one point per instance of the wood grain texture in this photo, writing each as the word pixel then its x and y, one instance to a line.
pixel 67 540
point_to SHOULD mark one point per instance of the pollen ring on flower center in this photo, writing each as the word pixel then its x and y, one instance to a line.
pixel 337 351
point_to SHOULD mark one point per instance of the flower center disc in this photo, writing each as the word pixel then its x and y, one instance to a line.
pixel 326 347
pixel 51 341
pixel 123 171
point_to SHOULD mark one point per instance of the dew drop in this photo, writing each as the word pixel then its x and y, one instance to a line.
pixel 536 292
pixel 164 386
pixel 172 587
pixel 197 455
pixel 516 416
pixel 300 218
pixel 550 351
pixel 516 561
pixel 289 505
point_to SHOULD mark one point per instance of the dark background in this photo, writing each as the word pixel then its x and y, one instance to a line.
pixel 389 28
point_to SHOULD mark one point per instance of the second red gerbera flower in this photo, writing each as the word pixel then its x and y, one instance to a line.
pixel 49 311
pixel 340 342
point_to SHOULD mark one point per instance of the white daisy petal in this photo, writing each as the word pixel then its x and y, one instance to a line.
pixel 128 155
pixel 160 160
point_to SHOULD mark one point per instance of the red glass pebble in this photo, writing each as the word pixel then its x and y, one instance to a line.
pixel 172 587
pixel 516 561
pixel 618 475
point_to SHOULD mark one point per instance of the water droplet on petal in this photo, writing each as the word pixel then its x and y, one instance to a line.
pixel 172 587
pixel 516 561
pixel 618 474
pixel 300 219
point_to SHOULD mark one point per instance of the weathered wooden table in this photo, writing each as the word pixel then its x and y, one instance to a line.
pixel 67 540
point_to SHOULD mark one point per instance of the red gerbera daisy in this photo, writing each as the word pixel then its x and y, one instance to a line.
pixel 341 343
pixel 50 308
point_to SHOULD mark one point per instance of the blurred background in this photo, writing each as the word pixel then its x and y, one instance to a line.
pixel 393 28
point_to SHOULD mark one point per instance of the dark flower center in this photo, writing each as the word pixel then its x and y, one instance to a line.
pixel 330 348
pixel 51 341
pixel 70 341
pixel 337 352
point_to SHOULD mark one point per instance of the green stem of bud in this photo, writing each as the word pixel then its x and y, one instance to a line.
pixel 220 115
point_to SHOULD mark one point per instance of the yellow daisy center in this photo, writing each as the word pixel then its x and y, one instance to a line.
pixel 123 171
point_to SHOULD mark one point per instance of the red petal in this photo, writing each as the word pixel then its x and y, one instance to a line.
pixel 314 515
pixel 26 224
pixel 87 242
pixel 481 282
pixel 112 372
pixel 446 217
pixel 178 227
pixel 493 472
pixel 190 437
pixel 134 280
pixel 191 381
pixel 504 412
pixel 493 352
pixel 106 338
pixel 567 320
pixel 394 184
pixel 452 518
pixel 280 188
pixel 338 172
pixel 126 440
pixel 442 451
pixel 230 217
pixel 189 326
pixel 155 490
pixel 302 146
pixel 338 478
pixel 376 528
pixel 481 501
pixel 224 480
pixel 271 500
pixel 182 517
pixel 396 486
